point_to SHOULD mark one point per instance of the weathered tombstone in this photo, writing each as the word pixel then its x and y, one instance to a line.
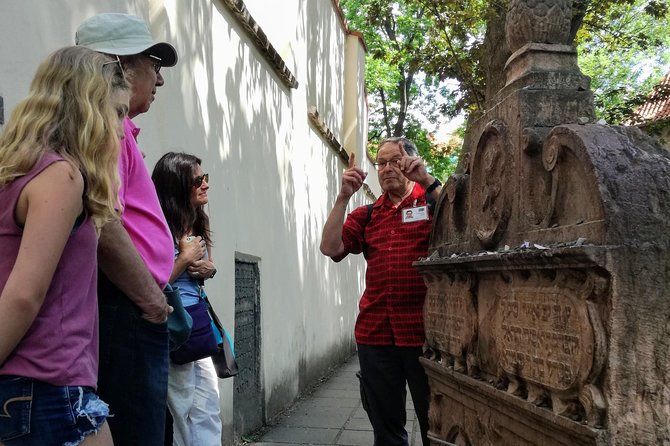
pixel 548 306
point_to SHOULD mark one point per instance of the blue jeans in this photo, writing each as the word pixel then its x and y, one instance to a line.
pixel 386 370
pixel 133 369
pixel 35 413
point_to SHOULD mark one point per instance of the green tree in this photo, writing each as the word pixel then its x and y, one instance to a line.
pixel 415 46
pixel 625 58
pixel 399 36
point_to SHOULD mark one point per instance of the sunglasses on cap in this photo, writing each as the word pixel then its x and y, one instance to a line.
pixel 156 62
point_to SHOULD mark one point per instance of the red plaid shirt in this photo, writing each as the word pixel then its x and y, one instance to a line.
pixel 391 308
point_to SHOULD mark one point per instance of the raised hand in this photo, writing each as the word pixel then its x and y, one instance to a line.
pixel 414 169
pixel 352 178
pixel 191 248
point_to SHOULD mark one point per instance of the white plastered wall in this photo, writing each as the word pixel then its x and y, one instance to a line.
pixel 273 177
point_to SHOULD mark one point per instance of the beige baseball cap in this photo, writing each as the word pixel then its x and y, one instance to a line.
pixel 122 35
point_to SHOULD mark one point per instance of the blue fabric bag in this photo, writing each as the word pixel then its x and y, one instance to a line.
pixel 202 342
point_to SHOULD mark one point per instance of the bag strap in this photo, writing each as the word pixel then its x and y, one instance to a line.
pixel 212 314
pixel 210 310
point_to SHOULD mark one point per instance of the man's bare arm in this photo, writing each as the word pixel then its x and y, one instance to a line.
pixel 331 239
pixel 122 264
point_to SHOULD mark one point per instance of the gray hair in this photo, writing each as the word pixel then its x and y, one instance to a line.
pixel 408 145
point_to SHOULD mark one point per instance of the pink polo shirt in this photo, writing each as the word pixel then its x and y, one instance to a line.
pixel 142 215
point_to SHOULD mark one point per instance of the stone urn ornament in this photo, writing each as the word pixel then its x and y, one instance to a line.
pixel 538 21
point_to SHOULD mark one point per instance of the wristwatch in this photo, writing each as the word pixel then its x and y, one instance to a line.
pixel 433 186
pixel 213 272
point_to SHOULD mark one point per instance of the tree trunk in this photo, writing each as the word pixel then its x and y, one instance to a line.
pixel 496 53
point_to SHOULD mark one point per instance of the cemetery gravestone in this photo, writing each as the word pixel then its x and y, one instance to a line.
pixel 547 314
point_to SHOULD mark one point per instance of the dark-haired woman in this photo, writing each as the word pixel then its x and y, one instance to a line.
pixel 193 392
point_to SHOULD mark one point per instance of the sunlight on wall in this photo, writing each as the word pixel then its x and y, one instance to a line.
pixel 274 177
pixel 201 82
pixel 280 32
pixel 310 202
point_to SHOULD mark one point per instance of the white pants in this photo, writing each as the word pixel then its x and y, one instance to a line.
pixel 193 400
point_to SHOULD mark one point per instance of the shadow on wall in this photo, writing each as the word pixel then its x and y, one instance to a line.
pixel 261 130
pixel 253 134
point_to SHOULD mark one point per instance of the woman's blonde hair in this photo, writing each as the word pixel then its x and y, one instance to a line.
pixel 69 111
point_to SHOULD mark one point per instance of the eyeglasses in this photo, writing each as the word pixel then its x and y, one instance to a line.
pixel 156 62
pixel 197 181
pixel 116 61
pixel 380 164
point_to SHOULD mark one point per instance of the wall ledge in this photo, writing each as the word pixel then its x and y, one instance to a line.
pixel 260 39
pixel 327 134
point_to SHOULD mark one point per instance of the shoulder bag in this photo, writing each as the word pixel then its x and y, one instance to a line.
pixel 208 338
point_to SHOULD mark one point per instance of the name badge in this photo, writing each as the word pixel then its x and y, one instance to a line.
pixel 418 213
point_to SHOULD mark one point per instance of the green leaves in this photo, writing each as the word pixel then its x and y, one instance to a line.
pixel 625 50
pixel 411 56
pixel 432 60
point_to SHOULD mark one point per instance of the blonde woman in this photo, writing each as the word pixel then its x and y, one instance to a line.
pixel 58 186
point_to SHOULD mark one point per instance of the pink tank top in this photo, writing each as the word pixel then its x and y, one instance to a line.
pixel 61 346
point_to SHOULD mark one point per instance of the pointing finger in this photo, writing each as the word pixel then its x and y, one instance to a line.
pixel 402 148
pixel 352 159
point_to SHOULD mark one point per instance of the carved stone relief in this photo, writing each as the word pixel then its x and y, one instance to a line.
pixel 458 436
pixel 451 210
pixel 571 178
pixel 468 412
pixel 452 336
pixel 551 338
pixel 491 168
pixel 536 180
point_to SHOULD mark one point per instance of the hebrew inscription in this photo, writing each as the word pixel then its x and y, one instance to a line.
pixel 450 317
pixel 546 336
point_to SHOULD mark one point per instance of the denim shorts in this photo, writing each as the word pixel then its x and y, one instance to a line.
pixel 34 413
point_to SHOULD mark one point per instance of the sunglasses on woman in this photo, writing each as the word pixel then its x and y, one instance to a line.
pixel 197 181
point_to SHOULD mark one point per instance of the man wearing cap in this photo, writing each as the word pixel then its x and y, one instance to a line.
pixel 135 256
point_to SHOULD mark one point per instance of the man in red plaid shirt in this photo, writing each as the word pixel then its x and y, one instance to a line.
pixel 389 328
